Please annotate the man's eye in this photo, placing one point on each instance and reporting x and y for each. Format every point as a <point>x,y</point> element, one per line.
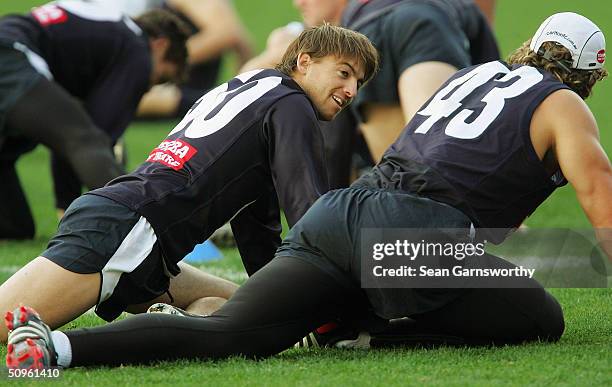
<point>344,74</point>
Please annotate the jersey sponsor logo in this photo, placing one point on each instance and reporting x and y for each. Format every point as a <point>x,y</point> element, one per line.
<point>601,56</point>
<point>49,14</point>
<point>172,153</point>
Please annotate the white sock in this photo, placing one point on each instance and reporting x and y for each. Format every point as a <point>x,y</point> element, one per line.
<point>63,349</point>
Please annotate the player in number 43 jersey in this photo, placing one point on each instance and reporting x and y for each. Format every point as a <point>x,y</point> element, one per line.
<point>245,150</point>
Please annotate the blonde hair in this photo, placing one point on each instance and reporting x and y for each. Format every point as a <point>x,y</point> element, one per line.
<point>581,81</point>
<point>324,40</point>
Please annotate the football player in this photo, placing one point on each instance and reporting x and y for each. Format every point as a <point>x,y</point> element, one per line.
<point>493,134</point>
<point>215,29</point>
<point>245,150</point>
<point>72,76</point>
<point>422,43</point>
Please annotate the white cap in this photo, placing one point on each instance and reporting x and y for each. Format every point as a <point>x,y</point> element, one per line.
<point>579,35</point>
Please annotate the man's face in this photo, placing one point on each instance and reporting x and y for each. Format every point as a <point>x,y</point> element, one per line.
<point>163,70</point>
<point>315,12</point>
<point>330,82</point>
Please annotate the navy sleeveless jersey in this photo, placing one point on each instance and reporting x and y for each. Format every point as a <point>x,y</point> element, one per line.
<point>469,146</point>
<point>244,148</point>
<point>96,53</point>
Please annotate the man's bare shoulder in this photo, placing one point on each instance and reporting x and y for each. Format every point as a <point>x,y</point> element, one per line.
<point>565,107</point>
<point>563,112</point>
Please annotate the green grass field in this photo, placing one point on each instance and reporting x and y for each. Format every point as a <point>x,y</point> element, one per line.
<point>582,357</point>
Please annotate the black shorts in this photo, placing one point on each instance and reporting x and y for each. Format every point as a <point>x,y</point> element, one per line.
<point>17,77</point>
<point>98,235</point>
<point>412,33</point>
<point>329,236</point>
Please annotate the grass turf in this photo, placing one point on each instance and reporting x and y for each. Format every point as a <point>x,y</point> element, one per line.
<point>582,357</point>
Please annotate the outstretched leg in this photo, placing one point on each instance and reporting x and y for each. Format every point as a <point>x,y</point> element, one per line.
<point>484,316</point>
<point>57,294</point>
<point>103,254</point>
<point>275,307</point>
<point>193,290</point>
<point>480,317</point>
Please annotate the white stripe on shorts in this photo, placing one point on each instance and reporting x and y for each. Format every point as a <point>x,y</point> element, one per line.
<point>136,246</point>
<point>37,61</point>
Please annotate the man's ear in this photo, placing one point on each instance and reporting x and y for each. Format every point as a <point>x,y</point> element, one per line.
<point>159,45</point>
<point>303,62</point>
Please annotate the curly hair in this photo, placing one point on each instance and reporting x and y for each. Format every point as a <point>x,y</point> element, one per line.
<point>581,81</point>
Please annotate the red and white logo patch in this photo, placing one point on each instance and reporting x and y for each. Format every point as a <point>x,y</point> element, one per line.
<point>601,56</point>
<point>49,14</point>
<point>172,153</point>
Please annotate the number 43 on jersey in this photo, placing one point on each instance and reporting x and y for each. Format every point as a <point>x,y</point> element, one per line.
<point>444,105</point>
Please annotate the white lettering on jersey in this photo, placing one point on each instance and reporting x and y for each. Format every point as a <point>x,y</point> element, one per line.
<point>196,124</point>
<point>444,104</point>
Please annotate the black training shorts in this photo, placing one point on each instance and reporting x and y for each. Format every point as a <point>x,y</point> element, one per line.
<point>99,235</point>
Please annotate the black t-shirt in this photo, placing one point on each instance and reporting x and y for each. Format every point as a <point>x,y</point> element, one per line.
<point>470,147</point>
<point>408,32</point>
<point>246,149</point>
<point>95,53</point>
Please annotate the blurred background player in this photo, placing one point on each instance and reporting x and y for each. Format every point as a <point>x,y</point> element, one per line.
<point>72,77</point>
<point>215,30</point>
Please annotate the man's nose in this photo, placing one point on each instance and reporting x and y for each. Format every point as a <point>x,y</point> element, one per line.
<point>350,90</point>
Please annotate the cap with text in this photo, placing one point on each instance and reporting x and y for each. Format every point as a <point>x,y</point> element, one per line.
<point>579,35</point>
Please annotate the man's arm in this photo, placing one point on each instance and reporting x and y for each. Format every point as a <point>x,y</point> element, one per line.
<point>419,54</point>
<point>582,160</point>
<point>276,45</point>
<point>257,231</point>
<point>295,152</point>
<point>219,27</point>
<point>419,82</point>
<point>296,155</point>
